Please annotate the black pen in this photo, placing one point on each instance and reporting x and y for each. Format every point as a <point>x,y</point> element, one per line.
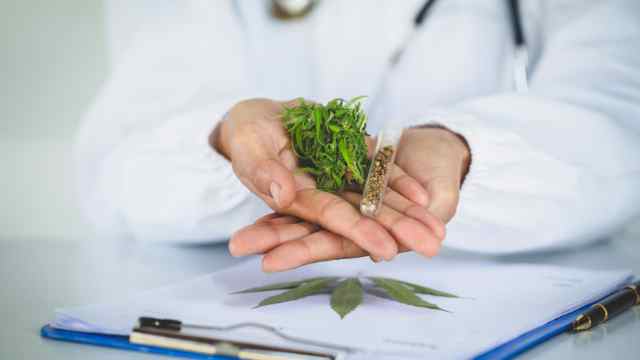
<point>609,307</point>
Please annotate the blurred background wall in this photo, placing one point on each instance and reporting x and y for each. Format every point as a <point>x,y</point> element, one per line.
<point>54,58</point>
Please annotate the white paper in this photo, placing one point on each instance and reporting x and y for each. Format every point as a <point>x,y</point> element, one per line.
<point>501,302</point>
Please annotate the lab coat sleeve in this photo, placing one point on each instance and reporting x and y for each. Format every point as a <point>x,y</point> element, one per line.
<point>145,167</point>
<point>167,184</point>
<point>560,164</point>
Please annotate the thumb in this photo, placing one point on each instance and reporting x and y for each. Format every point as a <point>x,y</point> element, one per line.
<point>273,179</point>
<point>444,194</point>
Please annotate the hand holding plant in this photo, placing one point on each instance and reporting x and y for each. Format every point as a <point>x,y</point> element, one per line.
<point>253,137</point>
<point>436,157</point>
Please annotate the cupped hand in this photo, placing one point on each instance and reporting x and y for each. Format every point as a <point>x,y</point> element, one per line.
<point>439,160</point>
<point>253,138</point>
<point>435,157</point>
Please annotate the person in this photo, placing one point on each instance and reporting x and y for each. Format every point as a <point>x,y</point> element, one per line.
<point>183,142</point>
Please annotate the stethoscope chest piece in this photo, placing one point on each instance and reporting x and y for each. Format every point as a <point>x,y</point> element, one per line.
<point>291,9</point>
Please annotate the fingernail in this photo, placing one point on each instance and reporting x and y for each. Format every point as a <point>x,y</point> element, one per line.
<point>275,192</point>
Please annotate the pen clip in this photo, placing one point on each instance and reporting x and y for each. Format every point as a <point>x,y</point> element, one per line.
<point>163,324</point>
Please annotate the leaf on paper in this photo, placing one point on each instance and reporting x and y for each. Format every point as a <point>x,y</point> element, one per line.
<point>281,286</point>
<point>419,289</point>
<point>306,289</point>
<point>401,293</point>
<point>347,296</point>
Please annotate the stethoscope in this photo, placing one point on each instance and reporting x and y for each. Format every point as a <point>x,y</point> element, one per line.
<point>300,8</point>
<point>292,9</point>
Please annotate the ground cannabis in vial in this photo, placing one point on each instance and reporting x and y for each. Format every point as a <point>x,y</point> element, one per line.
<point>376,185</point>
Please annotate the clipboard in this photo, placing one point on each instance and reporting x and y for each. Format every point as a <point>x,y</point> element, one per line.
<point>507,350</point>
<point>171,337</point>
<point>568,292</point>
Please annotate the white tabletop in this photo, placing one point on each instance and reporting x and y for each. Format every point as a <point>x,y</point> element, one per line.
<point>38,276</point>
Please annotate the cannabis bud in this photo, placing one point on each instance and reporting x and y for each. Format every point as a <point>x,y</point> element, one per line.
<point>329,141</point>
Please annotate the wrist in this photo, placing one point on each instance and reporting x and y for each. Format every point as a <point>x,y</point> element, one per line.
<point>465,152</point>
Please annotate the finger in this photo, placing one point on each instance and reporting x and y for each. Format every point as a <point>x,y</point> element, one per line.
<point>409,208</point>
<point>276,218</point>
<point>273,179</point>
<point>408,186</point>
<point>268,217</point>
<point>444,194</point>
<point>408,231</point>
<point>319,246</point>
<point>294,102</point>
<point>337,215</point>
<point>284,220</point>
<point>259,238</point>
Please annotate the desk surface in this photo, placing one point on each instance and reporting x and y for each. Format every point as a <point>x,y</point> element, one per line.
<point>38,276</point>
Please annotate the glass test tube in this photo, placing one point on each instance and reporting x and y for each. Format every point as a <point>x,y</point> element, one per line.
<point>379,171</point>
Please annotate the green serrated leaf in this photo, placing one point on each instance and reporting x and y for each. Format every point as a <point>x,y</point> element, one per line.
<point>281,286</point>
<point>401,293</point>
<point>315,131</point>
<point>307,170</point>
<point>356,99</point>
<point>334,128</point>
<point>419,289</point>
<point>317,117</point>
<point>346,296</point>
<point>306,289</point>
<point>333,103</point>
<point>344,150</point>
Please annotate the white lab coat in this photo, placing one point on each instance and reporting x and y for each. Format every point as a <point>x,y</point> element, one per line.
<point>552,167</point>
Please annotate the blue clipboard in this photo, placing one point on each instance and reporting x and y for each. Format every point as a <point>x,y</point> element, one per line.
<point>531,339</point>
<point>508,350</point>
<point>119,342</point>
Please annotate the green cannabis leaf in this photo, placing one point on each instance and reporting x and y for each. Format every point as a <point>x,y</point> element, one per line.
<point>329,141</point>
<point>348,293</point>
<point>401,293</point>
<point>282,286</point>
<point>307,288</point>
<point>347,296</point>
<point>419,289</point>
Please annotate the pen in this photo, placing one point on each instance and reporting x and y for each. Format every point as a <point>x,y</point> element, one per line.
<point>609,307</point>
